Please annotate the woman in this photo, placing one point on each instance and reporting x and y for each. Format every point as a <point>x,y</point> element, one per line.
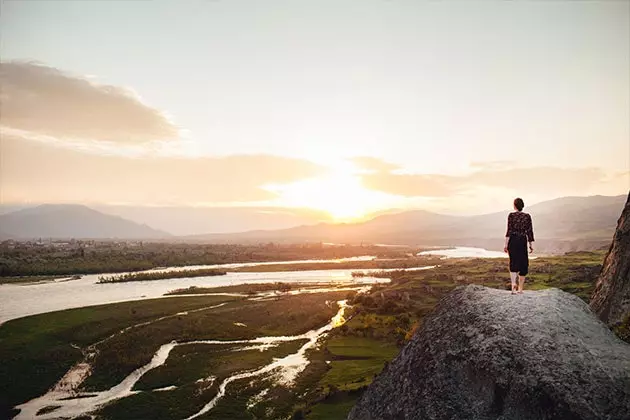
<point>519,233</point>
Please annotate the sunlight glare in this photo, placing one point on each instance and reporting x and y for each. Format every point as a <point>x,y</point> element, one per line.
<point>341,195</point>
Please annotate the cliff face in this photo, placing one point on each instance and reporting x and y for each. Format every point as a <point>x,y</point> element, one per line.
<point>486,354</point>
<point>611,299</point>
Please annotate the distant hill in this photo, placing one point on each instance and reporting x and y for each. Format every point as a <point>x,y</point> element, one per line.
<point>71,221</point>
<point>187,220</point>
<point>563,224</point>
<point>561,218</point>
<point>374,230</point>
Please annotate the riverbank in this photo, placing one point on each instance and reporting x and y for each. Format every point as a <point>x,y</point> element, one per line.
<point>23,300</point>
<point>373,264</point>
<point>26,280</point>
<point>363,262</point>
<point>252,289</point>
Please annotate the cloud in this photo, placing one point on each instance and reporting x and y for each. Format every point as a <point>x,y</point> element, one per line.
<point>533,180</point>
<point>44,100</point>
<point>38,172</point>
<point>412,185</point>
<point>374,164</point>
<point>551,180</point>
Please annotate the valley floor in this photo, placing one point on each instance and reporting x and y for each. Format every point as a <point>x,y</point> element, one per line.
<point>215,336</point>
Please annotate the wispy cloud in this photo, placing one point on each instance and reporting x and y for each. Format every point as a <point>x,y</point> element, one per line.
<point>44,100</point>
<point>552,181</point>
<point>35,171</point>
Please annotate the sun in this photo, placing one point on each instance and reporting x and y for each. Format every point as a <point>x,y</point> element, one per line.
<point>340,195</point>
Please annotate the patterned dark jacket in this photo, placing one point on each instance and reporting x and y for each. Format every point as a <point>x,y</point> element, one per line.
<point>520,223</point>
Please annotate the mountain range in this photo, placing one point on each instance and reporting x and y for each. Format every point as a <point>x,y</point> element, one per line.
<point>562,224</point>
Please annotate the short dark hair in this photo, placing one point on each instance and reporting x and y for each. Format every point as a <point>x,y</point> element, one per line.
<point>519,204</point>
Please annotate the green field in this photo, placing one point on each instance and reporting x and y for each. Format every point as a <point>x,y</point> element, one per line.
<point>37,350</point>
<point>355,361</point>
<point>187,365</point>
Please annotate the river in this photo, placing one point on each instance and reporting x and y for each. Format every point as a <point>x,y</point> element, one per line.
<point>464,252</point>
<point>19,300</point>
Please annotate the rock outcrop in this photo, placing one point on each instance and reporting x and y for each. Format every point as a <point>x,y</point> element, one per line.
<point>486,354</point>
<point>611,299</point>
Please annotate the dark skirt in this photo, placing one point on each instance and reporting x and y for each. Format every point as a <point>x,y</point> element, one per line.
<point>517,250</point>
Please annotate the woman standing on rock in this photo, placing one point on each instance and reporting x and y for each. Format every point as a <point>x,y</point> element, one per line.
<point>519,233</point>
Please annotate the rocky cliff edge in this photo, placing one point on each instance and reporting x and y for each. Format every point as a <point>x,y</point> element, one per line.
<point>486,354</point>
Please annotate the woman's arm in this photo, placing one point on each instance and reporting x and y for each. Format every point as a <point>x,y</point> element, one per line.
<point>507,233</point>
<point>530,234</point>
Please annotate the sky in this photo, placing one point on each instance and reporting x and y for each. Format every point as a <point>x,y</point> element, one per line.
<point>344,107</point>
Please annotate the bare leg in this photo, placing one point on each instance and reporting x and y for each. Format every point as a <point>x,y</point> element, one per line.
<point>513,277</point>
<point>521,282</point>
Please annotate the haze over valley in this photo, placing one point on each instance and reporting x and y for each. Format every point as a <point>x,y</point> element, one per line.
<point>563,224</point>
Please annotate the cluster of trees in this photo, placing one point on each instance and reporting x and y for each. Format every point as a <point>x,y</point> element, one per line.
<point>383,316</point>
<point>384,274</point>
<point>160,275</point>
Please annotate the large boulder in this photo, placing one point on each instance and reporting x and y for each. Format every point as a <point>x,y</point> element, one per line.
<point>611,299</point>
<point>486,354</point>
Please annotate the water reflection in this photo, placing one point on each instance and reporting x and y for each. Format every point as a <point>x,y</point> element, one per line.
<point>464,252</point>
<point>17,300</point>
